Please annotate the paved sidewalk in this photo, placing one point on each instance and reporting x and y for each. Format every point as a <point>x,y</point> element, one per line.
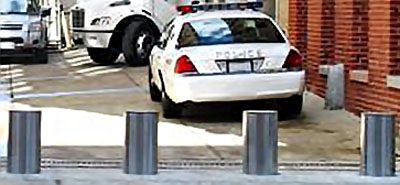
<point>116,177</point>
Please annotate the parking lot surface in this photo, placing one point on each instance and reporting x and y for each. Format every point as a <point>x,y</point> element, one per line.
<point>84,103</point>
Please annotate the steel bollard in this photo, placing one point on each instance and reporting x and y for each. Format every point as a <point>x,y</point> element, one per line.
<point>260,129</point>
<point>24,142</point>
<point>141,143</point>
<point>378,144</point>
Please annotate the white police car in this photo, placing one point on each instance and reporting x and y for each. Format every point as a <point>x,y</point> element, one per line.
<point>234,53</point>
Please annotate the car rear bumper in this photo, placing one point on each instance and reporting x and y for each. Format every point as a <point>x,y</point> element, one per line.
<point>239,87</point>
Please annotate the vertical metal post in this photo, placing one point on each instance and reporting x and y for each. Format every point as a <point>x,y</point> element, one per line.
<point>260,129</point>
<point>378,144</point>
<point>335,88</point>
<point>141,143</point>
<point>24,142</point>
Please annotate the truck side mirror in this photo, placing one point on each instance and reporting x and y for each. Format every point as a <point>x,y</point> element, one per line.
<point>45,12</point>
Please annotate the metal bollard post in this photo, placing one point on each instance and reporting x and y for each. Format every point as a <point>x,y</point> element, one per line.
<point>378,144</point>
<point>260,129</point>
<point>141,143</point>
<point>24,142</point>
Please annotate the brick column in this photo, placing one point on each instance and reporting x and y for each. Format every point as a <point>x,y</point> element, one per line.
<point>320,46</point>
<point>384,54</point>
<point>351,47</point>
<point>298,24</point>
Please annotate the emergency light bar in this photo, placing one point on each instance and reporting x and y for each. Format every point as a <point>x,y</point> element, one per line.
<point>209,7</point>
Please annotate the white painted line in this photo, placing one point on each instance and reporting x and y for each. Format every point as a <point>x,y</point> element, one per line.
<point>40,78</point>
<point>77,93</point>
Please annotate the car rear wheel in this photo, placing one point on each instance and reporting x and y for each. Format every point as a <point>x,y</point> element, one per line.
<point>171,109</point>
<point>137,43</point>
<point>292,105</point>
<point>102,56</point>
<point>155,92</point>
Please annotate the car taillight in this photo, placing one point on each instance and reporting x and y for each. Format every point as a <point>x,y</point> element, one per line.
<point>293,60</point>
<point>184,65</point>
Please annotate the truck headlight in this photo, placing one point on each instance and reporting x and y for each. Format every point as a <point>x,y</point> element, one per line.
<point>35,27</point>
<point>101,21</point>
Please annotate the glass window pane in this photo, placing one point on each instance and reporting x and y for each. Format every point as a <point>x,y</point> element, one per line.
<point>229,31</point>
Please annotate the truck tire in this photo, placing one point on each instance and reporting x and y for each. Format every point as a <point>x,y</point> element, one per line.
<point>155,93</point>
<point>292,105</point>
<point>102,56</point>
<point>137,43</point>
<point>171,110</point>
<point>41,56</point>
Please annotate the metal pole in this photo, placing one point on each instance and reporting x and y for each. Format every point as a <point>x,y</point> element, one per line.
<point>24,142</point>
<point>260,129</point>
<point>378,144</point>
<point>141,143</point>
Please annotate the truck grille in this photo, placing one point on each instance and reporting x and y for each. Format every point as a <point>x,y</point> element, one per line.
<point>11,26</point>
<point>78,18</point>
<point>16,40</point>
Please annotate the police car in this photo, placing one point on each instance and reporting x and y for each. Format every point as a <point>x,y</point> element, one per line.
<point>223,53</point>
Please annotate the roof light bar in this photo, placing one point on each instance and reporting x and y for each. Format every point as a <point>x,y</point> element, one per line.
<point>210,7</point>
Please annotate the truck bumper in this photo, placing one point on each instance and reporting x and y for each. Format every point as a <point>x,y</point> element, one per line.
<point>94,39</point>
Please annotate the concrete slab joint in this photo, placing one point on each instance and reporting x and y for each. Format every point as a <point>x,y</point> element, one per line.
<point>393,81</point>
<point>359,76</point>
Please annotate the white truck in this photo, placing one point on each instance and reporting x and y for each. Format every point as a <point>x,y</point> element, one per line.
<point>111,27</point>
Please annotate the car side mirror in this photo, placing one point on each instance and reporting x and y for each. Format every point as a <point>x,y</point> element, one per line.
<point>45,12</point>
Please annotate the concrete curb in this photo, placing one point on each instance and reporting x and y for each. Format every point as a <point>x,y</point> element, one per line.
<point>116,177</point>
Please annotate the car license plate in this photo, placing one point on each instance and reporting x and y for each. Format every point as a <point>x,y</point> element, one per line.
<point>239,67</point>
<point>7,45</point>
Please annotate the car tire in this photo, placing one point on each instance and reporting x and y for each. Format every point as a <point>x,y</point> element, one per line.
<point>292,105</point>
<point>137,43</point>
<point>155,92</point>
<point>171,110</point>
<point>41,56</point>
<point>102,56</point>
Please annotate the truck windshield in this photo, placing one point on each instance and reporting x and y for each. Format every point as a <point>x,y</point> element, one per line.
<point>229,31</point>
<point>19,6</point>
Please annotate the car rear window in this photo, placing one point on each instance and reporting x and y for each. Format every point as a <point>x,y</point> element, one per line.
<point>229,31</point>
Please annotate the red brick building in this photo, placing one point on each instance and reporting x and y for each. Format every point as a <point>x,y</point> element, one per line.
<point>364,35</point>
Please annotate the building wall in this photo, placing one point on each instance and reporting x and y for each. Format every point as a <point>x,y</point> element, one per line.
<point>364,35</point>
<point>282,14</point>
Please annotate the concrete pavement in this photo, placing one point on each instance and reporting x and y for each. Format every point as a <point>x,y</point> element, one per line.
<point>199,177</point>
<point>83,106</point>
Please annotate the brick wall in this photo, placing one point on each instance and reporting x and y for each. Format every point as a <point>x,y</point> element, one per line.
<point>383,54</point>
<point>320,42</point>
<point>298,24</point>
<point>361,34</point>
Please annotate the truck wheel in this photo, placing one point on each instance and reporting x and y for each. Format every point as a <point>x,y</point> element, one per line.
<point>155,92</point>
<point>102,56</point>
<point>41,56</point>
<point>171,110</point>
<point>137,43</point>
<point>292,105</point>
